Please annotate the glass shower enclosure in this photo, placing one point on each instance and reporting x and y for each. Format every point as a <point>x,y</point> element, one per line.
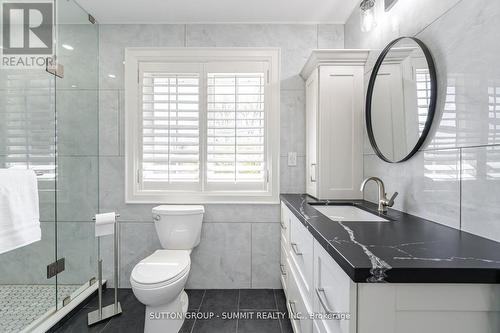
<point>50,124</point>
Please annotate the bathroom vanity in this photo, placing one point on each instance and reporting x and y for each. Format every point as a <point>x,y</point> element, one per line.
<point>352,266</point>
<point>384,273</point>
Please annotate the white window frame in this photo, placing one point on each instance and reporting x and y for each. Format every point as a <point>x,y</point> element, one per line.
<point>135,56</point>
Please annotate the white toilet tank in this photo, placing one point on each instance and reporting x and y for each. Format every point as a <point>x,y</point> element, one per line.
<point>178,226</point>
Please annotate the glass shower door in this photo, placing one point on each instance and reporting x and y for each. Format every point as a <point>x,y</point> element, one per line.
<point>78,151</point>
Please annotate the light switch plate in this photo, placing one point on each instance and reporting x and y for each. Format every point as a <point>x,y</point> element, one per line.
<point>292,158</point>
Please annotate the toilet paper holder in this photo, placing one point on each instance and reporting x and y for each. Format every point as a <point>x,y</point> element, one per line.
<point>104,313</point>
<point>116,215</point>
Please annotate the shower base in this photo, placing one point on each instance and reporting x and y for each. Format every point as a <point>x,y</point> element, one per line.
<point>21,305</point>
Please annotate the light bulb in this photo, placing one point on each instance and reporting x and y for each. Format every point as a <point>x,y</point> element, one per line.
<point>367,12</point>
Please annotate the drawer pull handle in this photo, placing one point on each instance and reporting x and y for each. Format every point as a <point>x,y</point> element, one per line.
<point>283,226</point>
<point>283,270</point>
<point>312,171</point>
<point>292,310</point>
<point>322,299</point>
<point>296,249</point>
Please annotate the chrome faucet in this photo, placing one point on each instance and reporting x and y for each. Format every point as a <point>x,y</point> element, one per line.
<point>383,202</point>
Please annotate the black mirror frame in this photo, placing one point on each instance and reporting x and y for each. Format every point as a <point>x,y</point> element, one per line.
<point>432,104</point>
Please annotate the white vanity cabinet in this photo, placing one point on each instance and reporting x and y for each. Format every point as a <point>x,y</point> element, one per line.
<point>334,123</point>
<point>297,269</point>
<point>316,285</point>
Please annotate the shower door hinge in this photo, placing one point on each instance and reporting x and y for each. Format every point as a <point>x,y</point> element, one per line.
<point>55,268</point>
<point>66,300</point>
<point>55,68</point>
<point>91,19</point>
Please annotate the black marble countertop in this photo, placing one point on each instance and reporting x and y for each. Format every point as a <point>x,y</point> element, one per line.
<point>407,249</point>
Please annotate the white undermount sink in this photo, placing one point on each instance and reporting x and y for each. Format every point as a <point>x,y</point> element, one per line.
<point>348,214</point>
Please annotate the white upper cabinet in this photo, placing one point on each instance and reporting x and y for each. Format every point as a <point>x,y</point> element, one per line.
<point>334,123</point>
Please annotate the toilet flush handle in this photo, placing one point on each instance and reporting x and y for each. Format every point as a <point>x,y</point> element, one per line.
<point>157,218</point>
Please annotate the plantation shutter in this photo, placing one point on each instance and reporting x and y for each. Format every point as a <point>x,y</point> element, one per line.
<point>28,127</point>
<point>203,126</point>
<point>423,81</point>
<point>236,123</point>
<point>170,98</point>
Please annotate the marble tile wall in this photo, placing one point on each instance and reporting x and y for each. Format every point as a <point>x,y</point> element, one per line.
<point>239,242</point>
<point>454,179</point>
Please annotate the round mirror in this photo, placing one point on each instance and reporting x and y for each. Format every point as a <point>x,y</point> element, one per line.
<point>401,99</point>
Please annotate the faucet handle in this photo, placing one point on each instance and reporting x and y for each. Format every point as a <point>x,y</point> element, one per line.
<point>390,203</point>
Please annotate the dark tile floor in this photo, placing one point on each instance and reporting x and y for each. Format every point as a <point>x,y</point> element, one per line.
<point>264,309</point>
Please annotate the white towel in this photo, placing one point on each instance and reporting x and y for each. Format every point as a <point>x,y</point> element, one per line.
<point>19,211</point>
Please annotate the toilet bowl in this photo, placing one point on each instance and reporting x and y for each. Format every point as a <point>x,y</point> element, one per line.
<point>158,280</point>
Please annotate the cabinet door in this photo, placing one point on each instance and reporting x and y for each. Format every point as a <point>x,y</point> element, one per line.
<point>297,307</point>
<point>285,245</point>
<point>390,98</point>
<point>340,134</point>
<point>301,257</point>
<point>334,295</point>
<point>284,270</point>
<point>312,134</point>
<point>285,223</point>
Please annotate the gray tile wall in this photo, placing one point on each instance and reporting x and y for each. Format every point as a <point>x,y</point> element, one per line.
<point>455,178</point>
<point>240,243</point>
<point>78,151</point>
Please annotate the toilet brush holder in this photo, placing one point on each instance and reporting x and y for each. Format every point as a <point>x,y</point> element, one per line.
<point>104,313</point>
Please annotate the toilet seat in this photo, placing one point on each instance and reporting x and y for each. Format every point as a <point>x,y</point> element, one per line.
<point>162,268</point>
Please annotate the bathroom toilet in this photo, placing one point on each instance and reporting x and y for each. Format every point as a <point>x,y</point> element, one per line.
<point>158,280</point>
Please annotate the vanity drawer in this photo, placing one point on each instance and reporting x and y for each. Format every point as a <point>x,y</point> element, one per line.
<point>301,255</point>
<point>334,292</point>
<point>297,307</point>
<point>284,268</point>
<point>285,222</point>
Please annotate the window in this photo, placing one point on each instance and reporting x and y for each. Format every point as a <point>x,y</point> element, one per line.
<point>202,125</point>
<point>423,82</point>
<point>27,126</point>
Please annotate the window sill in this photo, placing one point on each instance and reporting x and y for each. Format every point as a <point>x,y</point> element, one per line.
<point>197,198</point>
